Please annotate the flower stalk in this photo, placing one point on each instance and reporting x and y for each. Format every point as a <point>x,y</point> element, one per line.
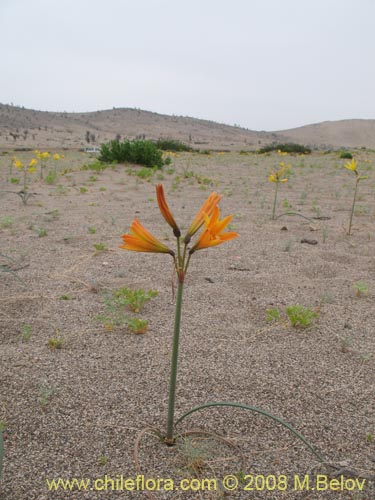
<point>352,166</point>
<point>277,176</point>
<point>173,376</point>
<point>141,240</point>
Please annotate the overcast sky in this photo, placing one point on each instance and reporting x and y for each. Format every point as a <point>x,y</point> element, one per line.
<point>261,64</point>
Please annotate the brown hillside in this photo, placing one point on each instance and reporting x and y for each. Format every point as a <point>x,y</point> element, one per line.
<point>24,127</point>
<point>334,134</point>
<point>20,127</point>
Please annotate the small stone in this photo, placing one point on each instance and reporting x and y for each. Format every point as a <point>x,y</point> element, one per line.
<point>284,228</point>
<point>309,242</point>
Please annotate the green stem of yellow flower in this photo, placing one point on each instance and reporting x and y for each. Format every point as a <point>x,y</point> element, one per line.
<point>173,377</point>
<point>24,178</point>
<point>353,205</point>
<point>274,201</point>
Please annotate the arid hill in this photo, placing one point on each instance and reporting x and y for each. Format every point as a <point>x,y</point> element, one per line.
<point>336,134</point>
<point>20,127</point>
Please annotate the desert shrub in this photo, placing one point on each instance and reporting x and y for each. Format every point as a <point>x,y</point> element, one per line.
<point>172,145</point>
<point>288,147</point>
<point>140,152</point>
<point>347,155</point>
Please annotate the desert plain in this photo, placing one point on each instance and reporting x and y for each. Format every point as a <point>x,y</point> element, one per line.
<point>76,391</point>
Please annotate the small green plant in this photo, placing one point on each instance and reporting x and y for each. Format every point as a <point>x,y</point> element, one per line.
<point>300,316</point>
<point>118,302</point>
<point>346,343</point>
<point>14,180</point>
<point>83,190</point>
<point>45,395</point>
<point>361,288</point>
<point>133,299</point>
<point>92,230</point>
<point>100,247</point>
<point>286,204</point>
<point>145,173</point>
<point>370,437</point>
<point>102,460</point>
<point>272,314</point>
<point>51,177</point>
<point>137,325</point>
<point>55,343</point>
<point>325,233</point>
<point>42,232</point>
<point>6,222</point>
<point>53,214</point>
<point>65,297</point>
<point>26,332</point>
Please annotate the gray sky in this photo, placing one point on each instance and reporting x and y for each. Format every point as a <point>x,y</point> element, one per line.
<point>262,64</point>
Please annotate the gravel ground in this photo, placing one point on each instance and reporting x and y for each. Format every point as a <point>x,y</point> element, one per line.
<point>75,412</point>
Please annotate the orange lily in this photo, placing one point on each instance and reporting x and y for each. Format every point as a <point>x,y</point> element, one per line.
<point>141,240</point>
<point>213,233</point>
<point>205,211</point>
<point>164,209</point>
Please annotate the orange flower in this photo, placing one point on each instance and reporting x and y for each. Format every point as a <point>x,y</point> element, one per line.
<point>164,209</point>
<point>213,233</point>
<point>205,211</point>
<point>140,240</point>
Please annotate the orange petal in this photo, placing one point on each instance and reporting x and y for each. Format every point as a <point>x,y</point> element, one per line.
<point>141,240</point>
<point>206,210</point>
<point>164,209</point>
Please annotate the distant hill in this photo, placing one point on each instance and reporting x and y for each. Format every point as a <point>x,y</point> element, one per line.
<point>333,134</point>
<point>20,127</point>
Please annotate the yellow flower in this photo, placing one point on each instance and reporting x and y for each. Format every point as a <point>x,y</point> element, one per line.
<point>33,163</point>
<point>278,175</point>
<point>212,234</point>
<point>140,240</point>
<point>17,163</point>
<point>45,155</point>
<point>32,170</point>
<point>56,156</point>
<point>351,165</point>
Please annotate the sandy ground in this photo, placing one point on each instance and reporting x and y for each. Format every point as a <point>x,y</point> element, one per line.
<point>76,411</point>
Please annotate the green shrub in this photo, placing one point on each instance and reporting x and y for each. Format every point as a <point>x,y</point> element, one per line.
<point>172,145</point>
<point>347,155</point>
<point>140,152</point>
<point>300,316</point>
<point>288,147</point>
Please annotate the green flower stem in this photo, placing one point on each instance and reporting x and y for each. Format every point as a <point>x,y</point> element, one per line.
<point>353,205</point>
<point>24,178</point>
<point>1,452</point>
<point>274,201</point>
<point>178,253</point>
<point>173,376</point>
